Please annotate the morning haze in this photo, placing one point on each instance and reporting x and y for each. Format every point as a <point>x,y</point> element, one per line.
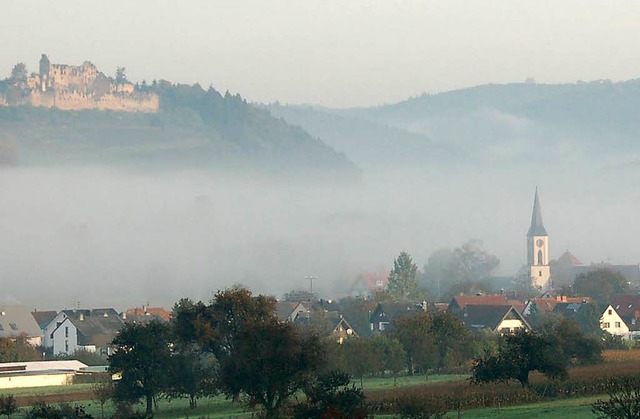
<point>208,188</point>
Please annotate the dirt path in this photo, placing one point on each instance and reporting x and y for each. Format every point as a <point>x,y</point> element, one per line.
<point>55,398</point>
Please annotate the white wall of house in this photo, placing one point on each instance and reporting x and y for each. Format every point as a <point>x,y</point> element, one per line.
<point>611,322</point>
<point>53,324</point>
<point>509,326</point>
<point>65,338</point>
<point>36,380</point>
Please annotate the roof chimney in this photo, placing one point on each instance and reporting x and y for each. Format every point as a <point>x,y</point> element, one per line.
<point>81,317</point>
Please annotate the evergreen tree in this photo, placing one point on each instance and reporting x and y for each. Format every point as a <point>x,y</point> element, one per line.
<point>403,283</point>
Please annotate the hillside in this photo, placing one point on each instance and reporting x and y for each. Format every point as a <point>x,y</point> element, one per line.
<point>194,128</point>
<point>592,124</point>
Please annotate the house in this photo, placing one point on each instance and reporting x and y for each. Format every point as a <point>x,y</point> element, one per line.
<point>368,283</point>
<point>459,302</point>
<point>627,307</point>
<point>83,329</point>
<point>341,329</point>
<point>43,318</point>
<point>495,318</point>
<point>145,314</point>
<point>287,311</point>
<point>385,313</point>
<point>569,309</point>
<point>548,303</point>
<point>16,320</point>
<point>611,322</point>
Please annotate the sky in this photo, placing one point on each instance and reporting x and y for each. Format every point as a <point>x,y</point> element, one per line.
<point>329,52</point>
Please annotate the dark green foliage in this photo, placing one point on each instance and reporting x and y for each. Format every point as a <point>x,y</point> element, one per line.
<point>86,357</point>
<point>520,354</point>
<point>256,355</point>
<point>193,374</point>
<point>17,350</point>
<point>452,339</point>
<point>143,358</point>
<point>8,405</point>
<point>330,395</point>
<point>41,410</point>
<point>624,400</point>
<point>601,285</point>
<point>413,332</point>
<point>269,363</point>
<point>403,283</point>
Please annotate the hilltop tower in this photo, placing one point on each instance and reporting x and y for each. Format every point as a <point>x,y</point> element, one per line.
<point>538,249</point>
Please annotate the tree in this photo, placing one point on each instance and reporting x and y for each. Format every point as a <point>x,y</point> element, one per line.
<point>331,396</point>
<point>601,285</point>
<point>413,332</point>
<point>359,357</point>
<point>465,269</point>
<point>143,358</point>
<point>103,392</point>
<point>624,400</point>
<point>8,405</point>
<point>576,348</point>
<point>402,279</point>
<point>451,337</point>
<point>121,76</point>
<point>19,73</point>
<point>271,361</point>
<point>193,374</point>
<point>392,353</point>
<point>520,354</point>
<point>17,349</point>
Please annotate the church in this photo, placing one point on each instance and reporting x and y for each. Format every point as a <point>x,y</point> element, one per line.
<point>538,249</point>
<point>546,275</point>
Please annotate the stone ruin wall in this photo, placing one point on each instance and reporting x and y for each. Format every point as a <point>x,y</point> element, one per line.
<point>77,101</point>
<point>74,88</point>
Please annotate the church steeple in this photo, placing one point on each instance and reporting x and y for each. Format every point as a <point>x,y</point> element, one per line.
<point>538,249</point>
<point>537,227</point>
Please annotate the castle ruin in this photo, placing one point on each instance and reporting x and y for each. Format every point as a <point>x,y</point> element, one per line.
<point>74,88</point>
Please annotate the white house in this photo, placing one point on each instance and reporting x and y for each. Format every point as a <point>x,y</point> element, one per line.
<point>16,320</point>
<point>89,330</point>
<point>612,322</point>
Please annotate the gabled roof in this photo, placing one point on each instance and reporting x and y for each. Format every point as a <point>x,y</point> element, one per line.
<point>139,313</point>
<point>340,326</point>
<point>325,305</point>
<point>627,305</point>
<point>96,330</point>
<point>568,259</point>
<point>387,312</point>
<point>43,318</point>
<point>537,226</point>
<point>478,317</point>
<point>284,309</point>
<point>16,320</point>
<point>461,301</point>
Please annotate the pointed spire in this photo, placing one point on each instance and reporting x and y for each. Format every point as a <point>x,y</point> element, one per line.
<point>537,227</point>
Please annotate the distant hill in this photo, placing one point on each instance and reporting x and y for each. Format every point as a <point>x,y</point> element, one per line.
<point>194,128</point>
<point>595,124</point>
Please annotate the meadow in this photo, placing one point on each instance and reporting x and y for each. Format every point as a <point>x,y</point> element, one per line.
<point>544,399</point>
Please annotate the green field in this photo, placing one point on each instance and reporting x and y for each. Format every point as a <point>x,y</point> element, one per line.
<point>219,407</point>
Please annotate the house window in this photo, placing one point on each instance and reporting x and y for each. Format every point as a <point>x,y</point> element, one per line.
<point>539,273</point>
<point>1,327</point>
<point>606,325</point>
<point>379,283</point>
<point>617,324</point>
<point>66,346</point>
<point>610,312</point>
<point>66,332</point>
<point>633,321</point>
<point>13,326</point>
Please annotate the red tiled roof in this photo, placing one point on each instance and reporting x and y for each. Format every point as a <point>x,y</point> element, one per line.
<point>151,311</point>
<point>495,300</point>
<point>627,305</point>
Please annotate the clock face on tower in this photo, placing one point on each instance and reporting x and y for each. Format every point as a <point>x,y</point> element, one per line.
<point>540,242</point>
